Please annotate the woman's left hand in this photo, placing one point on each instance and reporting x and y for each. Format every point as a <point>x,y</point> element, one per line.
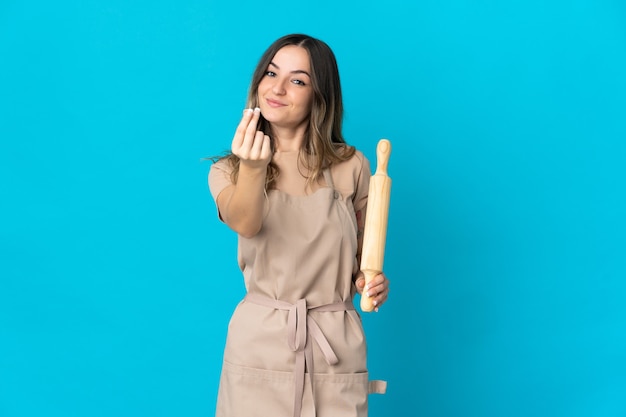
<point>378,288</point>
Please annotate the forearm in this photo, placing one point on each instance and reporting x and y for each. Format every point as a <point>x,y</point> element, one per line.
<point>243,207</point>
<point>360,222</point>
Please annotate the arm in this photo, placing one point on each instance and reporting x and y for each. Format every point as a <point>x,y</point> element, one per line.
<point>241,204</point>
<point>360,226</point>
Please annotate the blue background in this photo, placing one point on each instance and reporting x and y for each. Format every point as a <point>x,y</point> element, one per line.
<point>507,231</point>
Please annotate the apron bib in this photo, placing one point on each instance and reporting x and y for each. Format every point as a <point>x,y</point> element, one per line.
<point>295,345</point>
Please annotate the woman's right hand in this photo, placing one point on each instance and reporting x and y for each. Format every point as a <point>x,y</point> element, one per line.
<point>250,145</point>
<point>241,204</point>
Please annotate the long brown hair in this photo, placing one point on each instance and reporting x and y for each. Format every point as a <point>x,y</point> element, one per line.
<point>323,144</point>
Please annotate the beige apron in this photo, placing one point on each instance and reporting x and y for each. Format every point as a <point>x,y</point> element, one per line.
<point>295,344</point>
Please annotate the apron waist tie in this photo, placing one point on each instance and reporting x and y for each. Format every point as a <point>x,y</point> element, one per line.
<point>299,326</point>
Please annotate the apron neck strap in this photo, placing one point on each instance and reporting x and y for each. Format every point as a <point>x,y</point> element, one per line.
<point>328,178</point>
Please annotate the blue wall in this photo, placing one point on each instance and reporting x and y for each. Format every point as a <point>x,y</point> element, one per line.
<point>507,233</point>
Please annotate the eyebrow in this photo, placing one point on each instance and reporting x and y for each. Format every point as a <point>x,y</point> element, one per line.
<point>294,71</point>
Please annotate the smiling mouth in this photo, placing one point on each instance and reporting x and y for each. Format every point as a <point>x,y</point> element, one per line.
<point>274,103</point>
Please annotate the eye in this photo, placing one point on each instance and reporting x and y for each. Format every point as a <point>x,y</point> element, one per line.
<point>270,73</point>
<point>298,82</point>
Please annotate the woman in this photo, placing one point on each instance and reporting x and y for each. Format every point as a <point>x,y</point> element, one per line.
<point>296,195</point>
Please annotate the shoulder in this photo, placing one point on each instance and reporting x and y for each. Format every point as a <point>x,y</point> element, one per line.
<point>354,166</point>
<point>220,176</point>
<point>351,177</point>
<point>221,165</point>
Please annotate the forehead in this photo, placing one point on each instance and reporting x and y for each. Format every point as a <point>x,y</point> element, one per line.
<point>292,58</point>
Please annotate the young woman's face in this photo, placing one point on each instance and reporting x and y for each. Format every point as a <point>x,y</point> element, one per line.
<point>285,93</point>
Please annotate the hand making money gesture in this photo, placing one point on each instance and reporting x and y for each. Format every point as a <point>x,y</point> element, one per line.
<point>250,145</point>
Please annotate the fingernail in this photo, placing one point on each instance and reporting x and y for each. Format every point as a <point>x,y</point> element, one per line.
<point>257,110</point>
<point>375,302</point>
<point>366,287</point>
<point>367,293</point>
<point>247,111</point>
<point>376,310</point>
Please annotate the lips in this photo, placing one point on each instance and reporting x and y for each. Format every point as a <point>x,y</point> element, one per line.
<point>274,103</point>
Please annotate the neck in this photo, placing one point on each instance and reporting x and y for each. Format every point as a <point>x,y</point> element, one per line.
<point>288,139</point>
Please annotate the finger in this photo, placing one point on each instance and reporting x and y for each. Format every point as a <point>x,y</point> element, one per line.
<point>240,132</point>
<point>381,297</point>
<point>251,131</point>
<point>266,149</point>
<point>378,279</point>
<point>379,300</point>
<point>373,292</point>
<point>257,145</point>
<point>376,286</point>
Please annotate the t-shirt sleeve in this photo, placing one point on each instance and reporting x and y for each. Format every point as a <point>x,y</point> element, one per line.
<point>219,177</point>
<point>363,175</point>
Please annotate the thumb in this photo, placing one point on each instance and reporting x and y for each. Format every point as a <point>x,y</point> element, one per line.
<point>360,283</point>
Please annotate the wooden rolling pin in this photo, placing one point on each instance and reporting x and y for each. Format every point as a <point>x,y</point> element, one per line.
<point>375,232</point>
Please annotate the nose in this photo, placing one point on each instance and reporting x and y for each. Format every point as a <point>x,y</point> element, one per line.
<point>278,87</point>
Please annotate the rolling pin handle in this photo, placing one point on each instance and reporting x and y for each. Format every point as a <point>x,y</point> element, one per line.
<point>383,150</point>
